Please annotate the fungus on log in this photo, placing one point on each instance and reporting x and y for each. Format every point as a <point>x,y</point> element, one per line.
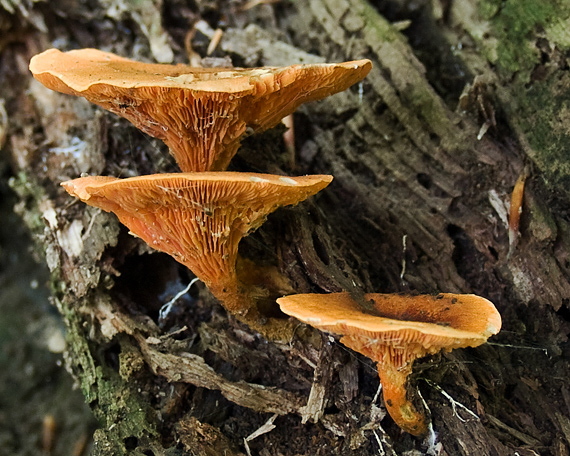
<point>394,330</point>
<point>200,113</point>
<point>199,219</point>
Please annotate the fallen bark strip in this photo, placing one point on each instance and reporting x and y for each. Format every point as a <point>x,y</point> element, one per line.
<point>191,368</point>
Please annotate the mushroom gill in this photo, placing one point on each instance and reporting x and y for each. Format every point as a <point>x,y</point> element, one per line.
<point>200,113</point>
<point>199,218</point>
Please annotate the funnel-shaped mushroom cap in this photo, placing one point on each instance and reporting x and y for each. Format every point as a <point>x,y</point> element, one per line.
<point>198,218</point>
<point>200,113</point>
<point>394,330</point>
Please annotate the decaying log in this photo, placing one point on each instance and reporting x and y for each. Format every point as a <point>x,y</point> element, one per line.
<point>425,153</point>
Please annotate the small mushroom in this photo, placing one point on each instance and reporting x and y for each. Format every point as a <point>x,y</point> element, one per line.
<point>200,113</point>
<point>394,330</point>
<point>199,218</point>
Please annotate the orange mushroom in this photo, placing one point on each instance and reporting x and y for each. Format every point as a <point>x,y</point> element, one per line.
<point>198,218</point>
<point>200,113</point>
<point>394,330</point>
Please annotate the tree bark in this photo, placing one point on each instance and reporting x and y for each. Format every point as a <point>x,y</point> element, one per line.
<point>425,155</point>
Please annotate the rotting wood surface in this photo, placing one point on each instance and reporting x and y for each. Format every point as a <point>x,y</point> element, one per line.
<point>418,205</point>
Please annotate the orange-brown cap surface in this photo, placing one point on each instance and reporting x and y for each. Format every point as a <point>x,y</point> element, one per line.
<point>394,330</point>
<point>200,113</point>
<point>198,218</point>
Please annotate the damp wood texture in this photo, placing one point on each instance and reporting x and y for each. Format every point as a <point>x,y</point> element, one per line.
<point>462,99</point>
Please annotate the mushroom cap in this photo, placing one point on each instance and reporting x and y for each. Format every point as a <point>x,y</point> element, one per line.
<point>423,323</point>
<point>200,113</point>
<point>198,218</point>
<point>394,330</point>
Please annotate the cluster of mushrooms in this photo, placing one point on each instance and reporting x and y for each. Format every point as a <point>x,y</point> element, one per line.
<point>200,215</point>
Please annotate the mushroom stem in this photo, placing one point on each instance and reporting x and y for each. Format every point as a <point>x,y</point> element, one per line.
<point>243,301</point>
<point>234,297</point>
<point>394,390</point>
<point>394,365</point>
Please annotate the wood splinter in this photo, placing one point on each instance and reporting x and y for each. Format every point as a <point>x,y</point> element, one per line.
<point>515,211</point>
